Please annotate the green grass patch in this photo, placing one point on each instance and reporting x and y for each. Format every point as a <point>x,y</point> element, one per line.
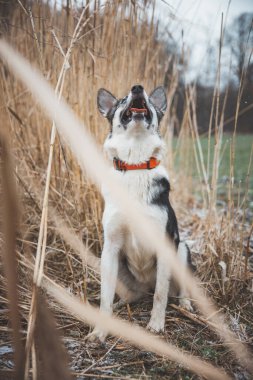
<point>243,145</point>
<point>184,158</point>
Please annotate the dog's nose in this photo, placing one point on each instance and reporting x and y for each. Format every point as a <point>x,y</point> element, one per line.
<point>137,89</point>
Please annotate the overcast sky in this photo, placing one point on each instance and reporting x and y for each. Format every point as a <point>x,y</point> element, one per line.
<point>200,21</point>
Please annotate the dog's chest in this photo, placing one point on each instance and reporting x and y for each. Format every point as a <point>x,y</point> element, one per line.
<point>140,185</point>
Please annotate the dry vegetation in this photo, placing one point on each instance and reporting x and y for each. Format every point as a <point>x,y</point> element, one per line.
<point>114,46</point>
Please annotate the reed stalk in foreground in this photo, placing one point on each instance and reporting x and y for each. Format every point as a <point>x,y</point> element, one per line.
<point>9,223</point>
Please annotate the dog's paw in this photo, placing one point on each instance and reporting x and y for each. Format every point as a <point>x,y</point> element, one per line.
<point>156,325</point>
<point>186,304</point>
<point>97,335</point>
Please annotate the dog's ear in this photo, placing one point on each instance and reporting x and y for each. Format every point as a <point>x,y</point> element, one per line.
<point>105,101</point>
<point>159,99</point>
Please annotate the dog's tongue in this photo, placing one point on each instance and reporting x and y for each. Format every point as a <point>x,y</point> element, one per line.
<point>138,110</point>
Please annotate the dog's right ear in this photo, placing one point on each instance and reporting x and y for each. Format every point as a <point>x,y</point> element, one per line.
<point>105,101</point>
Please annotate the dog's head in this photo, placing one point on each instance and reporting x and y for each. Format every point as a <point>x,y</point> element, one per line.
<point>136,111</point>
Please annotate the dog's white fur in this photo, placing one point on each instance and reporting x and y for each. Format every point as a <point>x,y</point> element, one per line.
<point>135,144</point>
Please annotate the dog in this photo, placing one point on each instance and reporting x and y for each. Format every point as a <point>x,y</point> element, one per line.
<point>135,148</point>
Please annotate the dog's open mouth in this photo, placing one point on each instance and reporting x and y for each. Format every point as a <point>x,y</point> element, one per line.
<point>137,109</point>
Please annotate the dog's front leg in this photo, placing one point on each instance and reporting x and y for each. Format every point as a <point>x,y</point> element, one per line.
<point>157,320</point>
<point>109,273</point>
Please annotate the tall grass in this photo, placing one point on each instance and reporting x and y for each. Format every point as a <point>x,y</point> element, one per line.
<point>116,46</point>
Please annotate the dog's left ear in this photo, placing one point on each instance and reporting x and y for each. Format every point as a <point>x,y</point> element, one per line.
<point>105,101</point>
<point>159,99</point>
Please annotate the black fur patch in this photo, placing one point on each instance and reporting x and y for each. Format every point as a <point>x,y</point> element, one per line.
<point>112,111</point>
<point>161,188</point>
<point>189,259</point>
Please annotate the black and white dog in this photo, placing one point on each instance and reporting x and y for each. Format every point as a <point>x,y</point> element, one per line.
<point>135,148</point>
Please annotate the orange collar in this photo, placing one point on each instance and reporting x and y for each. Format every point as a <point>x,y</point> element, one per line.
<point>123,166</point>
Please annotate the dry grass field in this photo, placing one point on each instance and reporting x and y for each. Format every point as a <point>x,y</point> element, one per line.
<point>78,51</point>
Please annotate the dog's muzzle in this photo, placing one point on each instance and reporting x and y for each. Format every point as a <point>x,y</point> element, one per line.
<point>137,108</point>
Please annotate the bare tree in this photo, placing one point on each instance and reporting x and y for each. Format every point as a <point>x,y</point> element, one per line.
<point>239,37</point>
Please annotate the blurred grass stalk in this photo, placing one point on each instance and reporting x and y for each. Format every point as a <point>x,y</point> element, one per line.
<point>10,226</point>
